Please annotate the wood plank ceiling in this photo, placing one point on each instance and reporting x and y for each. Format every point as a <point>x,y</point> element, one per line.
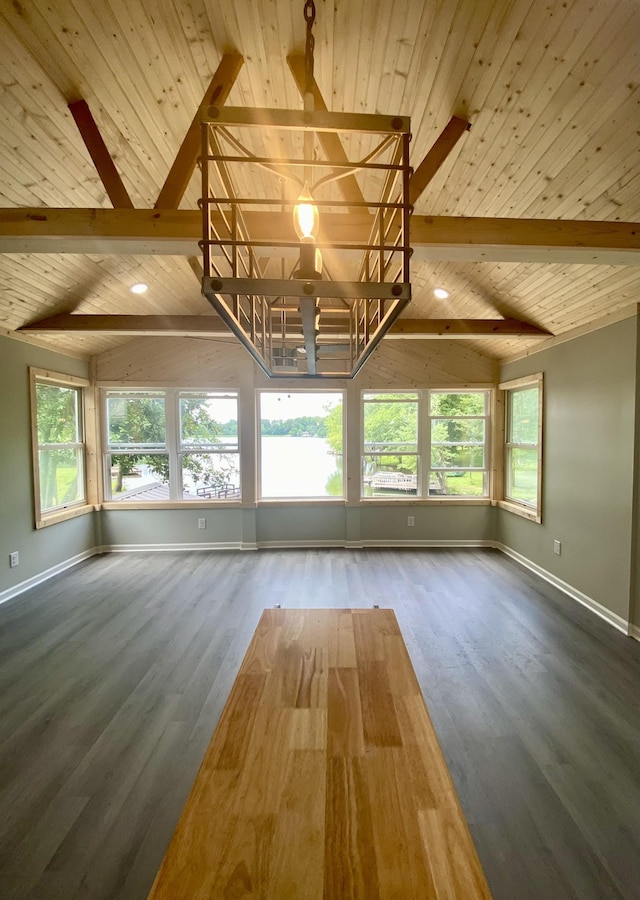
<point>551,92</point>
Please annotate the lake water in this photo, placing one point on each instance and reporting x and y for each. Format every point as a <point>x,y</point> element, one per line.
<point>298,467</point>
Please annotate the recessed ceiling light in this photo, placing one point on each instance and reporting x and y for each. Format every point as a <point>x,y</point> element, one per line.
<point>441,294</point>
<point>139,288</point>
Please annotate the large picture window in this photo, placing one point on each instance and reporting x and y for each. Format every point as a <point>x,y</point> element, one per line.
<point>453,426</point>
<point>301,444</point>
<point>171,445</point>
<point>59,452</point>
<point>523,442</point>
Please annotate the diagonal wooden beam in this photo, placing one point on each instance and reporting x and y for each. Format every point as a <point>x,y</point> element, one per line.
<point>101,157</point>
<point>187,325</point>
<point>330,142</point>
<point>177,232</point>
<point>181,171</point>
<point>436,156</point>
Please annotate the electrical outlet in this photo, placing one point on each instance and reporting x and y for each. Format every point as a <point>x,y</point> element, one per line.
<point>14,559</point>
<point>202,523</point>
<point>411,521</point>
<point>557,548</point>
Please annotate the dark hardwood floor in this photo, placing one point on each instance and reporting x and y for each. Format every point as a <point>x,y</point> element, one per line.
<point>113,676</point>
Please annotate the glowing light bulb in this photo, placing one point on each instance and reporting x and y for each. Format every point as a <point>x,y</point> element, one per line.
<point>441,294</point>
<point>305,216</point>
<point>138,288</point>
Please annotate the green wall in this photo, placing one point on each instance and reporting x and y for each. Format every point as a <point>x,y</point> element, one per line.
<point>588,465</point>
<point>49,547</point>
<point>328,524</point>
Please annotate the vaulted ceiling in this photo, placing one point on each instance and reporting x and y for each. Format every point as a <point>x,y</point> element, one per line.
<point>551,92</point>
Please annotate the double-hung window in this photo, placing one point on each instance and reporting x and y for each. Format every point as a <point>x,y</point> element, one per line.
<point>171,445</point>
<point>137,458</point>
<point>391,457</point>
<point>431,443</point>
<point>458,438</point>
<point>59,451</point>
<point>208,451</point>
<point>523,444</point>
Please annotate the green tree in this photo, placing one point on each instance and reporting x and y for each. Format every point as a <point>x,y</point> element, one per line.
<point>455,433</point>
<point>308,426</point>
<point>333,428</point>
<point>140,421</point>
<point>137,421</point>
<point>391,432</point>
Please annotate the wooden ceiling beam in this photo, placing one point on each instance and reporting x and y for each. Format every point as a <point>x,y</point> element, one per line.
<point>330,142</point>
<point>526,240</point>
<point>464,328</point>
<point>177,232</point>
<point>179,176</point>
<point>179,326</point>
<point>109,175</point>
<point>128,325</point>
<point>436,157</point>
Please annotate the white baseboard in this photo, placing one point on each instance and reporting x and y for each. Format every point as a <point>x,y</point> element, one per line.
<point>176,548</point>
<point>364,543</point>
<point>291,545</point>
<point>452,545</point>
<point>47,574</point>
<point>299,545</point>
<point>591,604</point>
<point>634,632</point>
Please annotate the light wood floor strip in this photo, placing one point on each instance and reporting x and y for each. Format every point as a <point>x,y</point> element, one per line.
<point>321,780</point>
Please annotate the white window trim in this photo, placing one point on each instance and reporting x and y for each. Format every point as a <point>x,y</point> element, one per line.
<point>89,504</point>
<point>526,510</point>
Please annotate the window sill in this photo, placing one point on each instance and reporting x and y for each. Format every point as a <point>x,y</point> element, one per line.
<point>63,514</point>
<point>532,515</point>
<point>303,501</point>
<point>425,501</point>
<point>176,504</point>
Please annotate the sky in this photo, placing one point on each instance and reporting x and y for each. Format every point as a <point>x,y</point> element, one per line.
<point>293,404</point>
